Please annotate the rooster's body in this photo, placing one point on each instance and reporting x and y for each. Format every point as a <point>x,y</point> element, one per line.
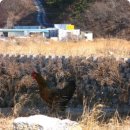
<point>54,97</point>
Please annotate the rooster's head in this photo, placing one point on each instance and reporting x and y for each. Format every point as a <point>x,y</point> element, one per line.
<point>34,74</point>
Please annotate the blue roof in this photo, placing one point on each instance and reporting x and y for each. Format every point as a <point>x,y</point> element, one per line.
<point>24,30</point>
<point>27,27</point>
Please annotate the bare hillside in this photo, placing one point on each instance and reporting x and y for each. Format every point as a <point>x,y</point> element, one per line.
<point>108,18</point>
<point>12,11</point>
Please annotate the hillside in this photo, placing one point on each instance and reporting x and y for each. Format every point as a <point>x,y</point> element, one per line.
<point>104,18</point>
<point>13,11</point>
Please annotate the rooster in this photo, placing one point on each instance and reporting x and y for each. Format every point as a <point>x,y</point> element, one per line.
<point>57,99</point>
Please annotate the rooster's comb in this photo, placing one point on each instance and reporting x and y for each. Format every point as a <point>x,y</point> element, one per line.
<point>33,74</point>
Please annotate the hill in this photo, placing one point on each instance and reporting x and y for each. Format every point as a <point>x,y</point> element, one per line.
<point>104,18</point>
<point>13,11</point>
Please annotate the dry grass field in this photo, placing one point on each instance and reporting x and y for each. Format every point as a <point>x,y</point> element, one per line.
<point>37,45</point>
<point>99,47</point>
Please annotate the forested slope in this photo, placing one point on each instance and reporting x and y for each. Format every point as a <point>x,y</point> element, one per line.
<point>105,18</point>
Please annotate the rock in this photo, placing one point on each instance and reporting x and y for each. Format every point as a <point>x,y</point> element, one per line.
<point>42,122</point>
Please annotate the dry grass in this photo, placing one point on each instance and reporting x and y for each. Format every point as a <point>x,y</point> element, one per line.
<point>90,121</point>
<point>37,45</point>
<point>99,47</point>
<point>6,123</point>
<point>113,125</point>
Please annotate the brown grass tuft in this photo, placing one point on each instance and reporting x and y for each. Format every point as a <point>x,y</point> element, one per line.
<point>90,121</point>
<point>6,123</point>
